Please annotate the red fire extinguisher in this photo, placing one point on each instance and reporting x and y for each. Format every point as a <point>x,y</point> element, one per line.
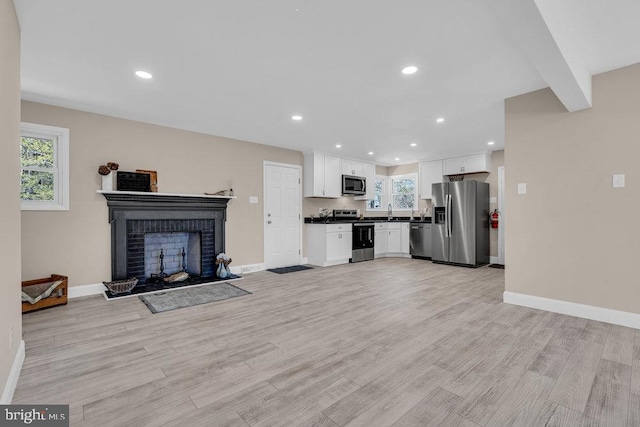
<point>494,218</point>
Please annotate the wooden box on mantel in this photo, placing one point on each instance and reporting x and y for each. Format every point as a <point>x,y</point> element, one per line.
<point>57,297</point>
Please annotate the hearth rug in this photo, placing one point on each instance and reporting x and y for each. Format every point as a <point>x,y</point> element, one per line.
<point>283,270</point>
<point>187,297</point>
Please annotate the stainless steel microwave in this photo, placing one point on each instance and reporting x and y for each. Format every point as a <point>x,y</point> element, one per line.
<point>354,185</point>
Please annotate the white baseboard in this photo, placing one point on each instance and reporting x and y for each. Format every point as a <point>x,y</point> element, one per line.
<point>607,315</point>
<point>248,268</point>
<point>86,290</point>
<point>14,374</point>
<point>494,260</point>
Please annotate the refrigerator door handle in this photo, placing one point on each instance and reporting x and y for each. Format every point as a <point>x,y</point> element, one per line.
<point>449,216</point>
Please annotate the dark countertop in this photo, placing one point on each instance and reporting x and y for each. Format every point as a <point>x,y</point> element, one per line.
<point>331,220</point>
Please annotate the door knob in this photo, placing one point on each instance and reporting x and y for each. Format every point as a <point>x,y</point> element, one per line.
<point>269,222</point>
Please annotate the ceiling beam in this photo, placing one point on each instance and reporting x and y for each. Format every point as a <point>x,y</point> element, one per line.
<point>545,43</point>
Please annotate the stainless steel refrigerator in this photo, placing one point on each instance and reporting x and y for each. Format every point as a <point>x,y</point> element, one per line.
<point>460,226</point>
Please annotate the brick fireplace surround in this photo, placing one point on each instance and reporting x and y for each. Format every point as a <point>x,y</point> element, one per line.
<point>133,214</point>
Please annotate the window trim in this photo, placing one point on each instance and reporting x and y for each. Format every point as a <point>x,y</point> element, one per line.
<point>387,195</point>
<point>383,200</point>
<point>411,175</point>
<point>61,175</point>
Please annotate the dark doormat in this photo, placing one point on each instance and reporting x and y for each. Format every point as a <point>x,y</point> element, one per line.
<point>501,266</point>
<point>291,269</point>
<point>187,297</point>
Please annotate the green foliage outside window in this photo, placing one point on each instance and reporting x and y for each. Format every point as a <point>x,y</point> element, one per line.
<point>376,203</point>
<point>404,193</point>
<point>37,161</point>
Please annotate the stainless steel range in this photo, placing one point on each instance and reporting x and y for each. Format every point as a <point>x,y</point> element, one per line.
<point>363,232</point>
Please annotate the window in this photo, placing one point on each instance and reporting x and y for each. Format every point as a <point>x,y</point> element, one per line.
<point>44,161</point>
<point>399,190</point>
<point>403,192</point>
<point>379,201</point>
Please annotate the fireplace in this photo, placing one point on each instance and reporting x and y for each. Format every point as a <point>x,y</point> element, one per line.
<point>144,225</point>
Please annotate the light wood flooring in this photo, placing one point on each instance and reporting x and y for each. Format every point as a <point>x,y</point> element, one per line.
<point>388,342</point>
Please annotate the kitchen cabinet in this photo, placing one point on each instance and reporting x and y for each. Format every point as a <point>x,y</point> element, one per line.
<point>322,177</point>
<point>391,239</point>
<point>381,239</point>
<point>404,247</point>
<point>352,167</point>
<point>395,238</point>
<point>467,164</point>
<point>328,244</point>
<point>430,173</point>
<point>369,172</point>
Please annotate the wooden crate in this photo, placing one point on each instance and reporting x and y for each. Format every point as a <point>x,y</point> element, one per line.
<point>53,299</point>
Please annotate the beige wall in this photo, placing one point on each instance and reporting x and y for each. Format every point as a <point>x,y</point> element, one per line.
<point>77,242</point>
<point>10,315</point>
<point>573,237</point>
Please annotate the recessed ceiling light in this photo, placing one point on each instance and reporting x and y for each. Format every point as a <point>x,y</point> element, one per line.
<point>144,74</point>
<point>371,153</point>
<point>440,119</point>
<point>296,117</point>
<point>413,144</point>
<point>397,158</point>
<point>411,69</point>
<point>490,143</point>
<point>338,145</point>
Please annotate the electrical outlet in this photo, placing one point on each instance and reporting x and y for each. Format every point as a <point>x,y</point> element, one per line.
<point>253,199</point>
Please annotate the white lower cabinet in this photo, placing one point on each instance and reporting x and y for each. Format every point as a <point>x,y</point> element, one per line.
<point>328,244</point>
<point>391,239</point>
<point>406,226</point>
<point>381,239</point>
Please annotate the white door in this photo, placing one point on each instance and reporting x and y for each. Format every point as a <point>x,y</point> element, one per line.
<point>283,217</point>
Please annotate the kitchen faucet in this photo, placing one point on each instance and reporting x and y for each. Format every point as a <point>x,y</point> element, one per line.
<point>389,212</point>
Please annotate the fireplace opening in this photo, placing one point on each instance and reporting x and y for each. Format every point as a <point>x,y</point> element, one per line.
<point>172,252</point>
<point>147,238</point>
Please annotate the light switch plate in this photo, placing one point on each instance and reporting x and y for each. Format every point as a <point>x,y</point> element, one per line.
<point>522,188</point>
<point>253,199</point>
<point>618,180</point>
<point>493,200</point>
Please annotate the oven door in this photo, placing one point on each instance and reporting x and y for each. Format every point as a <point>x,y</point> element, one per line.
<point>362,236</point>
<point>362,243</point>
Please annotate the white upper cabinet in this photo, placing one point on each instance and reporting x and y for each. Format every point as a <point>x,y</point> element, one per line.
<point>369,173</point>
<point>467,164</point>
<point>430,173</point>
<point>322,177</point>
<point>352,167</point>
<point>332,177</point>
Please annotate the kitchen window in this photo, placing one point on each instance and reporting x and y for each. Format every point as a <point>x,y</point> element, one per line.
<point>44,167</point>
<point>399,190</point>
<point>379,199</point>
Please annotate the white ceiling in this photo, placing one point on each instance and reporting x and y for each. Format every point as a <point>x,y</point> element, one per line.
<point>241,68</point>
